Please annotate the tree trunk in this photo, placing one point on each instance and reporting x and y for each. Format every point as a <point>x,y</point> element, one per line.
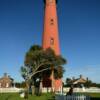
<point>26,90</point>
<point>41,85</point>
<point>33,89</point>
<point>53,80</point>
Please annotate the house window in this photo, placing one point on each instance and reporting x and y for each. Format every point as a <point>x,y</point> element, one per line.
<point>52,41</point>
<point>7,85</point>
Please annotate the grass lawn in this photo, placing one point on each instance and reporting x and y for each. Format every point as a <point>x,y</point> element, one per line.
<point>15,96</point>
<point>94,96</point>
<point>47,96</point>
<point>97,95</point>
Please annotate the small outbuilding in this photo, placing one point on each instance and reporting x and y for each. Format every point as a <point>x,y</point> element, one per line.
<point>6,81</point>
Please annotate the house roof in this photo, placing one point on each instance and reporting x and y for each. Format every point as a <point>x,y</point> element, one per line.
<point>6,78</point>
<point>80,80</point>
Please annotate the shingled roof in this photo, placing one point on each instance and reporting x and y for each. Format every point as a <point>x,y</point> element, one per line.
<point>79,80</point>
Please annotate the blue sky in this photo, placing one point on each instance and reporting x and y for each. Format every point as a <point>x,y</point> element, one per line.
<point>21,25</point>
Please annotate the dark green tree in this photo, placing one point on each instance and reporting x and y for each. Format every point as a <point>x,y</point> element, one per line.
<point>38,60</point>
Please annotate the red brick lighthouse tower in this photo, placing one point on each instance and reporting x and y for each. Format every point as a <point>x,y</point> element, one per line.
<point>50,34</point>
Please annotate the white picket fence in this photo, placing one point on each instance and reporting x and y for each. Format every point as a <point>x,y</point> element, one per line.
<point>72,97</point>
<point>10,90</point>
<point>88,90</point>
<point>65,90</point>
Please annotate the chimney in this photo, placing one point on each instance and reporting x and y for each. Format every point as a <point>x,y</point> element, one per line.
<point>87,79</point>
<point>73,78</point>
<point>5,75</point>
<point>81,76</point>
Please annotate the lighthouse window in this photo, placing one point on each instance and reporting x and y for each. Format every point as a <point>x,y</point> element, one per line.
<point>52,41</point>
<point>51,21</point>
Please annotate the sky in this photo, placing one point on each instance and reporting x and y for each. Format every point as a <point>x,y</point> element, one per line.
<point>21,26</point>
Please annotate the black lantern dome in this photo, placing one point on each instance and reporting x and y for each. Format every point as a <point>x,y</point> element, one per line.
<point>45,1</point>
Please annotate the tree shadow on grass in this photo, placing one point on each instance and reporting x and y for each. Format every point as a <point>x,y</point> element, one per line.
<point>8,97</point>
<point>51,98</point>
<point>93,98</point>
